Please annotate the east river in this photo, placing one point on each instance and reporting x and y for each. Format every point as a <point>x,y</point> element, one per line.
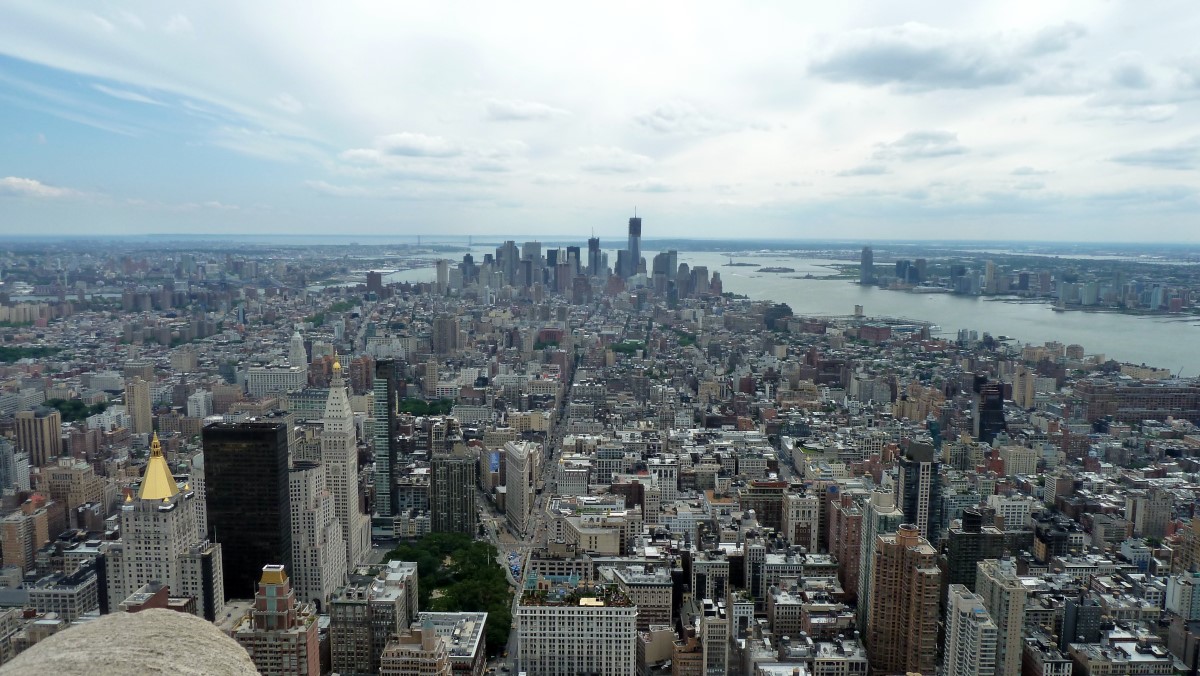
<point>1165,341</point>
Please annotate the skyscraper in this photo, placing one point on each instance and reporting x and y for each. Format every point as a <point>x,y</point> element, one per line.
<point>880,516</point>
<point>845,540</point>
<point>443,276</point>
<point>919,488</point>
<point>902,629</point>
<point>297,355</point>
<point>452,493</point>
<point>635,246</point>
<point>532,262</point>
<point>137,405</point>
<point>318,548</point>
<point>974,541</point>
<point>249,510</point>
<point>374,282</point>
<point>444,337</point>
<point>383,411</point>
<point>987,409</point>
<point>991,281</point>
<point>39,434</point>
<point>339,454</point>
<point>14,467</point>
<point>1004,596</point>
<point>573,259</point>
<point>161,542</point>
<point>508,259</point>
<point>594,263</point>
<point>518,480</point>
<point>866,266</point>
<point>970,635</point>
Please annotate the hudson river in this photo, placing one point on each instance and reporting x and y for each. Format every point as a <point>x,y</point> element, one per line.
<point>1165,341</point>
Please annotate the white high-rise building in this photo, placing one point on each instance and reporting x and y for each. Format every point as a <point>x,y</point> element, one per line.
<point>666,470</point>
<point>339,454</point>
<point>1004,596</point>
<point>570,630</point>
<point>318,549</point>
<point>200,404</point>
<point>970,635</point>
<point>297,355</point>
<point>160,542</point>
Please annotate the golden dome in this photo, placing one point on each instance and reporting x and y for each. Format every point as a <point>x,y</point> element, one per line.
<point>157,483</point>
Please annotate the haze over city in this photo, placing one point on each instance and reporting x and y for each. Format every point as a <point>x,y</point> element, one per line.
<point>659,339</point>
<point>926,120</point>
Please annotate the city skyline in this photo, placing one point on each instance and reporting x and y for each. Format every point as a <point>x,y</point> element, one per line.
<point>926,121</point>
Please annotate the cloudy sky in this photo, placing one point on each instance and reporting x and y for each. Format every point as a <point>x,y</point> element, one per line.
<point>1064,120</point>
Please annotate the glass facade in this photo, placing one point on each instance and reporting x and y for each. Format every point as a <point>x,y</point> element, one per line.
<point>246,479</point>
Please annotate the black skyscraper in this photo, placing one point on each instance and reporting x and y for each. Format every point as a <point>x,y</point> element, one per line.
<point>593,261</point>
<point>920,489</point>
<point>452,494</point>
<point>988,410</point>
<point>635,246</point>
<point>249,512</point>
<point>387,463</point>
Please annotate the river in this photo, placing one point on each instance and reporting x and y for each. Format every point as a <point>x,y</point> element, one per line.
<point>1165,341</point>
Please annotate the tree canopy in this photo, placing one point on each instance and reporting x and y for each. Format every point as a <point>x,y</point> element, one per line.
<point>467,578</point>
<point>422,407</point>
<point>10,354</point>
<point>74,409</point>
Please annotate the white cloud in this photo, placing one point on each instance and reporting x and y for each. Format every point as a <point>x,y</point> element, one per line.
<point>611,160</point>
<point>508,110</point>
<point>1028,171</point>
<point>918,56</point>
<point>288,104</point>
<point>791,103</point>
<point>681,117</point>
<point>262,144</point>
<point>104,24</point>
<point>553,179</point>
<point>416,145</point>
<point>131,19</point>
<point>177,24</point>
<point>865,170</point>
<point>651,185</point>
<point>1181,156</point>
<point>126,95</point>
<point>15,186</point>
<point>920,145</point>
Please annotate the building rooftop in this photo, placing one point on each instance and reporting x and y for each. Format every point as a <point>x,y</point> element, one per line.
<point>463,631</point>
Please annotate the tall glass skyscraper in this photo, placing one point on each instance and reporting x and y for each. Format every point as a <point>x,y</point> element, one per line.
<point>249,510</point>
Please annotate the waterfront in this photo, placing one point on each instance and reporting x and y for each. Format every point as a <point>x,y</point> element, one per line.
<point>1166,341</point>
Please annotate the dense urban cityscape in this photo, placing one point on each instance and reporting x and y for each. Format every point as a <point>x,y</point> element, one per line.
<point>542,338</point>
<point>570,460</point>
